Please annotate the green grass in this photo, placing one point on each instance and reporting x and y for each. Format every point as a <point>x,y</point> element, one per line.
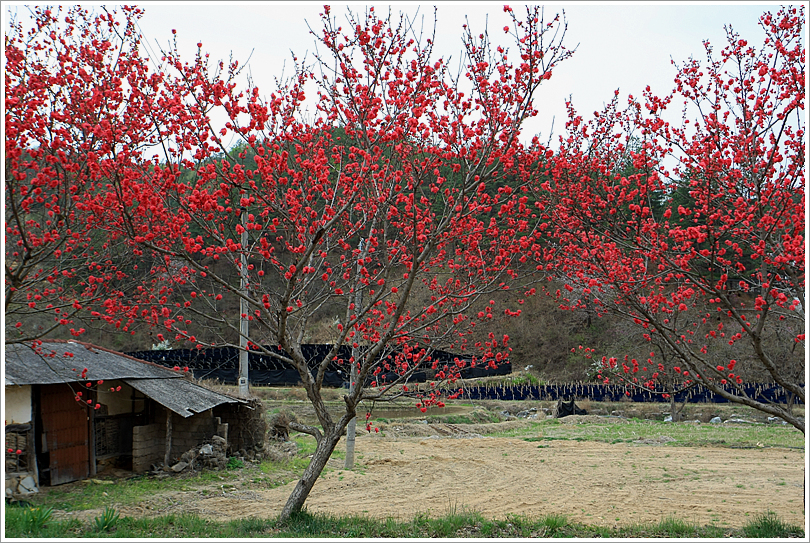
<point>454,524</point>
<point>768,525</point>
<point>683,434</point>
<point>93,496</point>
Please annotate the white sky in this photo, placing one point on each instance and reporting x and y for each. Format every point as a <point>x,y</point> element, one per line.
<point>622,46</point>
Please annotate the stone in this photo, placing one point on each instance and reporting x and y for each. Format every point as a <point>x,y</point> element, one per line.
<point>207,449</point>
<point>716,420</point>
<point>180,466</point>
<point>27,486</point>
<point>668,418</point>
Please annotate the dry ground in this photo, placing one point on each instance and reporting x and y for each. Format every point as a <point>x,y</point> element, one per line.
<point>450,467</point>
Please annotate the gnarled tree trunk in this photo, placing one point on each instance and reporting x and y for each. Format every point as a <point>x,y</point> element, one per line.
<point>322,454</point>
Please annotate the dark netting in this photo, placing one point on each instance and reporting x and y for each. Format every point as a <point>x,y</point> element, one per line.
<point>222,364</point>
<point>763,392</point>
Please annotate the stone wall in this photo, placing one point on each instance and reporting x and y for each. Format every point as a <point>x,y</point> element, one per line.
<point>149,441</point>
<point>190,432</point>
<point>148,446</point>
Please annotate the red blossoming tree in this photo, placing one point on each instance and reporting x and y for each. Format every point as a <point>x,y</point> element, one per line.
<point>694,230</point>
<point>393,205</point>
<point>72,122</point>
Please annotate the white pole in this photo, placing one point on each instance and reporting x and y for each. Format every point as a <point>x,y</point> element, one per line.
<point>243,310</point>
<point>351,430</point>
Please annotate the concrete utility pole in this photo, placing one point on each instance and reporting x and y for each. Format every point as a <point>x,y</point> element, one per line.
<point>243,311</point>
<point>351,429</point>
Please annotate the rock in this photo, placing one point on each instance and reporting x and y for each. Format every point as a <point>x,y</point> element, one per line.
<point>27,486</point>
<point>739,421</point>
<point>716,420</point>
<point>668,418</point>
<point>207,449</point>
<point>180,466</point>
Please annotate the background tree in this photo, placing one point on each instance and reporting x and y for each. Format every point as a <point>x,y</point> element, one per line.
<point>730,257</point>
<point>387,210</point>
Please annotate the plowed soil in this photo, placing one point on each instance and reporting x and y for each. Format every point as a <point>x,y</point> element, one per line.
<point>452,469</point>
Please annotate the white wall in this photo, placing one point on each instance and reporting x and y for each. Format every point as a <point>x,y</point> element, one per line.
<point>18,404</point>
<point>116,402</point>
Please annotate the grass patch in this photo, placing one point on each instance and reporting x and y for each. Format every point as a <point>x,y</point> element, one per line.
<point>454,524</point>
<point>681,434</point>
<point>23,521</point>
<point>89,495</point>
<point>768,525</point>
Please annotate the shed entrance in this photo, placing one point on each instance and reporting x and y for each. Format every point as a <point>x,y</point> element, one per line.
<point>65,429</point>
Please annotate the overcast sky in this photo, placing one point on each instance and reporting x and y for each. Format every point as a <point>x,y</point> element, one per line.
<point>622,46</point>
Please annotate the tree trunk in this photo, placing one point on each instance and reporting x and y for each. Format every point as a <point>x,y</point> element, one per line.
<point>673,409</point>
<point>301,491</point>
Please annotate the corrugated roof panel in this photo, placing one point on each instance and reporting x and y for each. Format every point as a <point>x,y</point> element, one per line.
<point>181,396</point>
<point>63,362</point>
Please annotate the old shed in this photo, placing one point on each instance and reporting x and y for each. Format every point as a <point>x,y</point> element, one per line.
<point>72,409</point>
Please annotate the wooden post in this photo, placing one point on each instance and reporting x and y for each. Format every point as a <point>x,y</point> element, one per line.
<point>91,420</point>
<point>168,437</point>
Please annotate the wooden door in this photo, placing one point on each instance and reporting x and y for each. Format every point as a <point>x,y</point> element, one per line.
<point>66,428</point>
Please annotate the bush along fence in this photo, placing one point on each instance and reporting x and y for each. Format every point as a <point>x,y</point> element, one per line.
<point>599,392</point>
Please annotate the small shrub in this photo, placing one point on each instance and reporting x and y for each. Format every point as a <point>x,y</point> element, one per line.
<point>675,527</point>
<point>235,463</point>
<point>35,518</point>
<point>279,425</point>
<point>770,526</point>
<point>107,521</point>
<point>553,523</point>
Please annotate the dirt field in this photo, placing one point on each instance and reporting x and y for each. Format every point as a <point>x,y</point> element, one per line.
<point>589,482</point>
